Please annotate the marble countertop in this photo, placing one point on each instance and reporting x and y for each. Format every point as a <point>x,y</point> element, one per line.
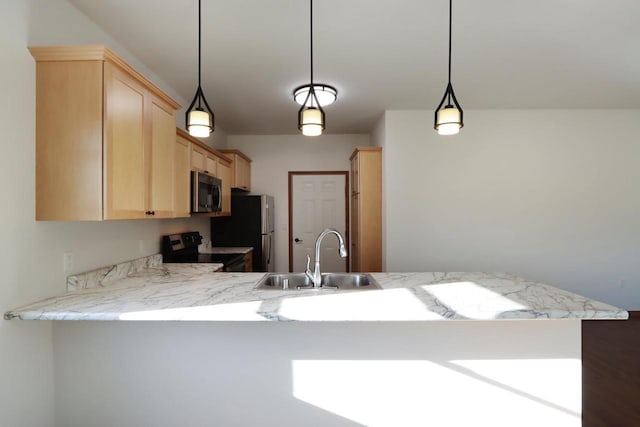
<point>193,292</point>
<point>224,250</point>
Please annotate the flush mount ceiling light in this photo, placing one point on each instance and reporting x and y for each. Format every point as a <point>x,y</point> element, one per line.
<point>448,118</point>
<point>326,94</point>
<point>311,115</point>
<point>199,116</point>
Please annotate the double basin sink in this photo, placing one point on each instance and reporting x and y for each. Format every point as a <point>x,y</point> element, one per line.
<point>300,281</point>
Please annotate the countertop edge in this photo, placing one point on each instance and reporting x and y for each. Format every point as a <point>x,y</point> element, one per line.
<point>110,317</point>
<point>181,292</point>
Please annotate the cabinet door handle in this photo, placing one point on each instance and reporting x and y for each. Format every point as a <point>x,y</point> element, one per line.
<point>297,240</point>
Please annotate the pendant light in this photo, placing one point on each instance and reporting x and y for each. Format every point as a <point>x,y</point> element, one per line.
<point>311,114</point>
<point>448,119</point>
<point>199,116</point>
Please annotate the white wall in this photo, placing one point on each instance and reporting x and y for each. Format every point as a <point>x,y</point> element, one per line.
<point>275,155</point>
<point>32,252</point>
<point>330,374</point>
<point>549,195</point>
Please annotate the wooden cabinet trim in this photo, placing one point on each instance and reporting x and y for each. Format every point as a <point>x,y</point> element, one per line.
<point>217,153</point>
<point>238,152</point>
<point>361,149</point>
<point>182,178</point>
<point>95,53</point>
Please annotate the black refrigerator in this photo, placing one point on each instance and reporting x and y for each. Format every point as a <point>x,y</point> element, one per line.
<point>250,224</point>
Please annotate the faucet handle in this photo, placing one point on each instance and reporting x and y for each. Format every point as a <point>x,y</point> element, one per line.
<point>308,272</point>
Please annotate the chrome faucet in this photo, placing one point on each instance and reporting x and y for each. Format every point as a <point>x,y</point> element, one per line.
<point>316,275</point>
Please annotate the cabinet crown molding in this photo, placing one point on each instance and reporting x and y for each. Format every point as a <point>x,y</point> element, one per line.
<point>361,149</point>
<point>219,153</point>
<point>238,152</point>
<point>95,53</point>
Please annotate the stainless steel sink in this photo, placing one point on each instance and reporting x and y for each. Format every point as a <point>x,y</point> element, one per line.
<point>300,281</point>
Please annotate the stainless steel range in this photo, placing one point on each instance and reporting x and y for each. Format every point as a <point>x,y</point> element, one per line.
<point>183,248</point>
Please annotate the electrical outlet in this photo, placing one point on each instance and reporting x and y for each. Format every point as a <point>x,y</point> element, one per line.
<point>622,284</point>
<point>67,262</point>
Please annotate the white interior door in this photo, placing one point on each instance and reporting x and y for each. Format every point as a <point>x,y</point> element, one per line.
<point>318,202</point>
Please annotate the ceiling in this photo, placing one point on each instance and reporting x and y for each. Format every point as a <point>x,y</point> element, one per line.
<point>382,54</point>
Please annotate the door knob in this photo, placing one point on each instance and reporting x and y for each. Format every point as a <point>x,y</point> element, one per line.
<point>297,240</point>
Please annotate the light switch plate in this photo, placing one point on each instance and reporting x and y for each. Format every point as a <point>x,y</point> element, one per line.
<point>67,262</point>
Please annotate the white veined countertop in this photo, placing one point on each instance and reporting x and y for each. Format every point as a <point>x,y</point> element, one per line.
<point>194,292</point>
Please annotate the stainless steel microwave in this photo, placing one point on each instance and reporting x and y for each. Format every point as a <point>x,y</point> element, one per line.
<point>206,193</point>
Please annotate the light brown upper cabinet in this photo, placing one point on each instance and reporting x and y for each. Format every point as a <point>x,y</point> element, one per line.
<point>224,173</point>
<point>240,169</point>
<point>202,160</point>
<point>182,177</point>
<point>210,161</point>
<point>366,209</point>
<point>105,138</point>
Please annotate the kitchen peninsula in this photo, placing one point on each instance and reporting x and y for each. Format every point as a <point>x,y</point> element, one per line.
<point>465,348</point>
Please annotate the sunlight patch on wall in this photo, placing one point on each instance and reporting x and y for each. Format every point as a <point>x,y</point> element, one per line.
<point>530,378</point>
<point>407,393</point>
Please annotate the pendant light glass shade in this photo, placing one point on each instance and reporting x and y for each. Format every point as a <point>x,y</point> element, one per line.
<point>448,117</point>
<point>448,121</point>
<point>199,123</point>
<point>199,116</point>
<point>312,122</point>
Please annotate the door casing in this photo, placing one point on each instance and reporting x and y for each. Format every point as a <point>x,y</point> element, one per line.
<point>346,209</point>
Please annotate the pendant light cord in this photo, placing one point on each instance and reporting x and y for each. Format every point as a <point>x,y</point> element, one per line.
<point>199,47</point>
<point>450,14</point>
<point>311,37</point>
<point>200,39</point>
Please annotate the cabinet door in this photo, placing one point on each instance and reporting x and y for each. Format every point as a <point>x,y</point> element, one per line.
<point>355,233</point>
<point>124,146</point>
<point>243,171</point>
<point>224,173</point>
<point>162,141</point>
<point>181,178</point>
<point>69,133</point>
<point>355,174</point>
<point>248,262</point>
<point>197,158</point>
<point>211,165</point>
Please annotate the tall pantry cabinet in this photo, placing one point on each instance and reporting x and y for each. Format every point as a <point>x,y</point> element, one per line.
<point>366,209</point>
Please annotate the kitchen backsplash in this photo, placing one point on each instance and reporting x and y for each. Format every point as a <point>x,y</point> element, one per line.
<point>103,276</point>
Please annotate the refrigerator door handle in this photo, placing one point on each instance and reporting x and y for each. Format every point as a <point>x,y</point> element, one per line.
<point>269,250</point>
